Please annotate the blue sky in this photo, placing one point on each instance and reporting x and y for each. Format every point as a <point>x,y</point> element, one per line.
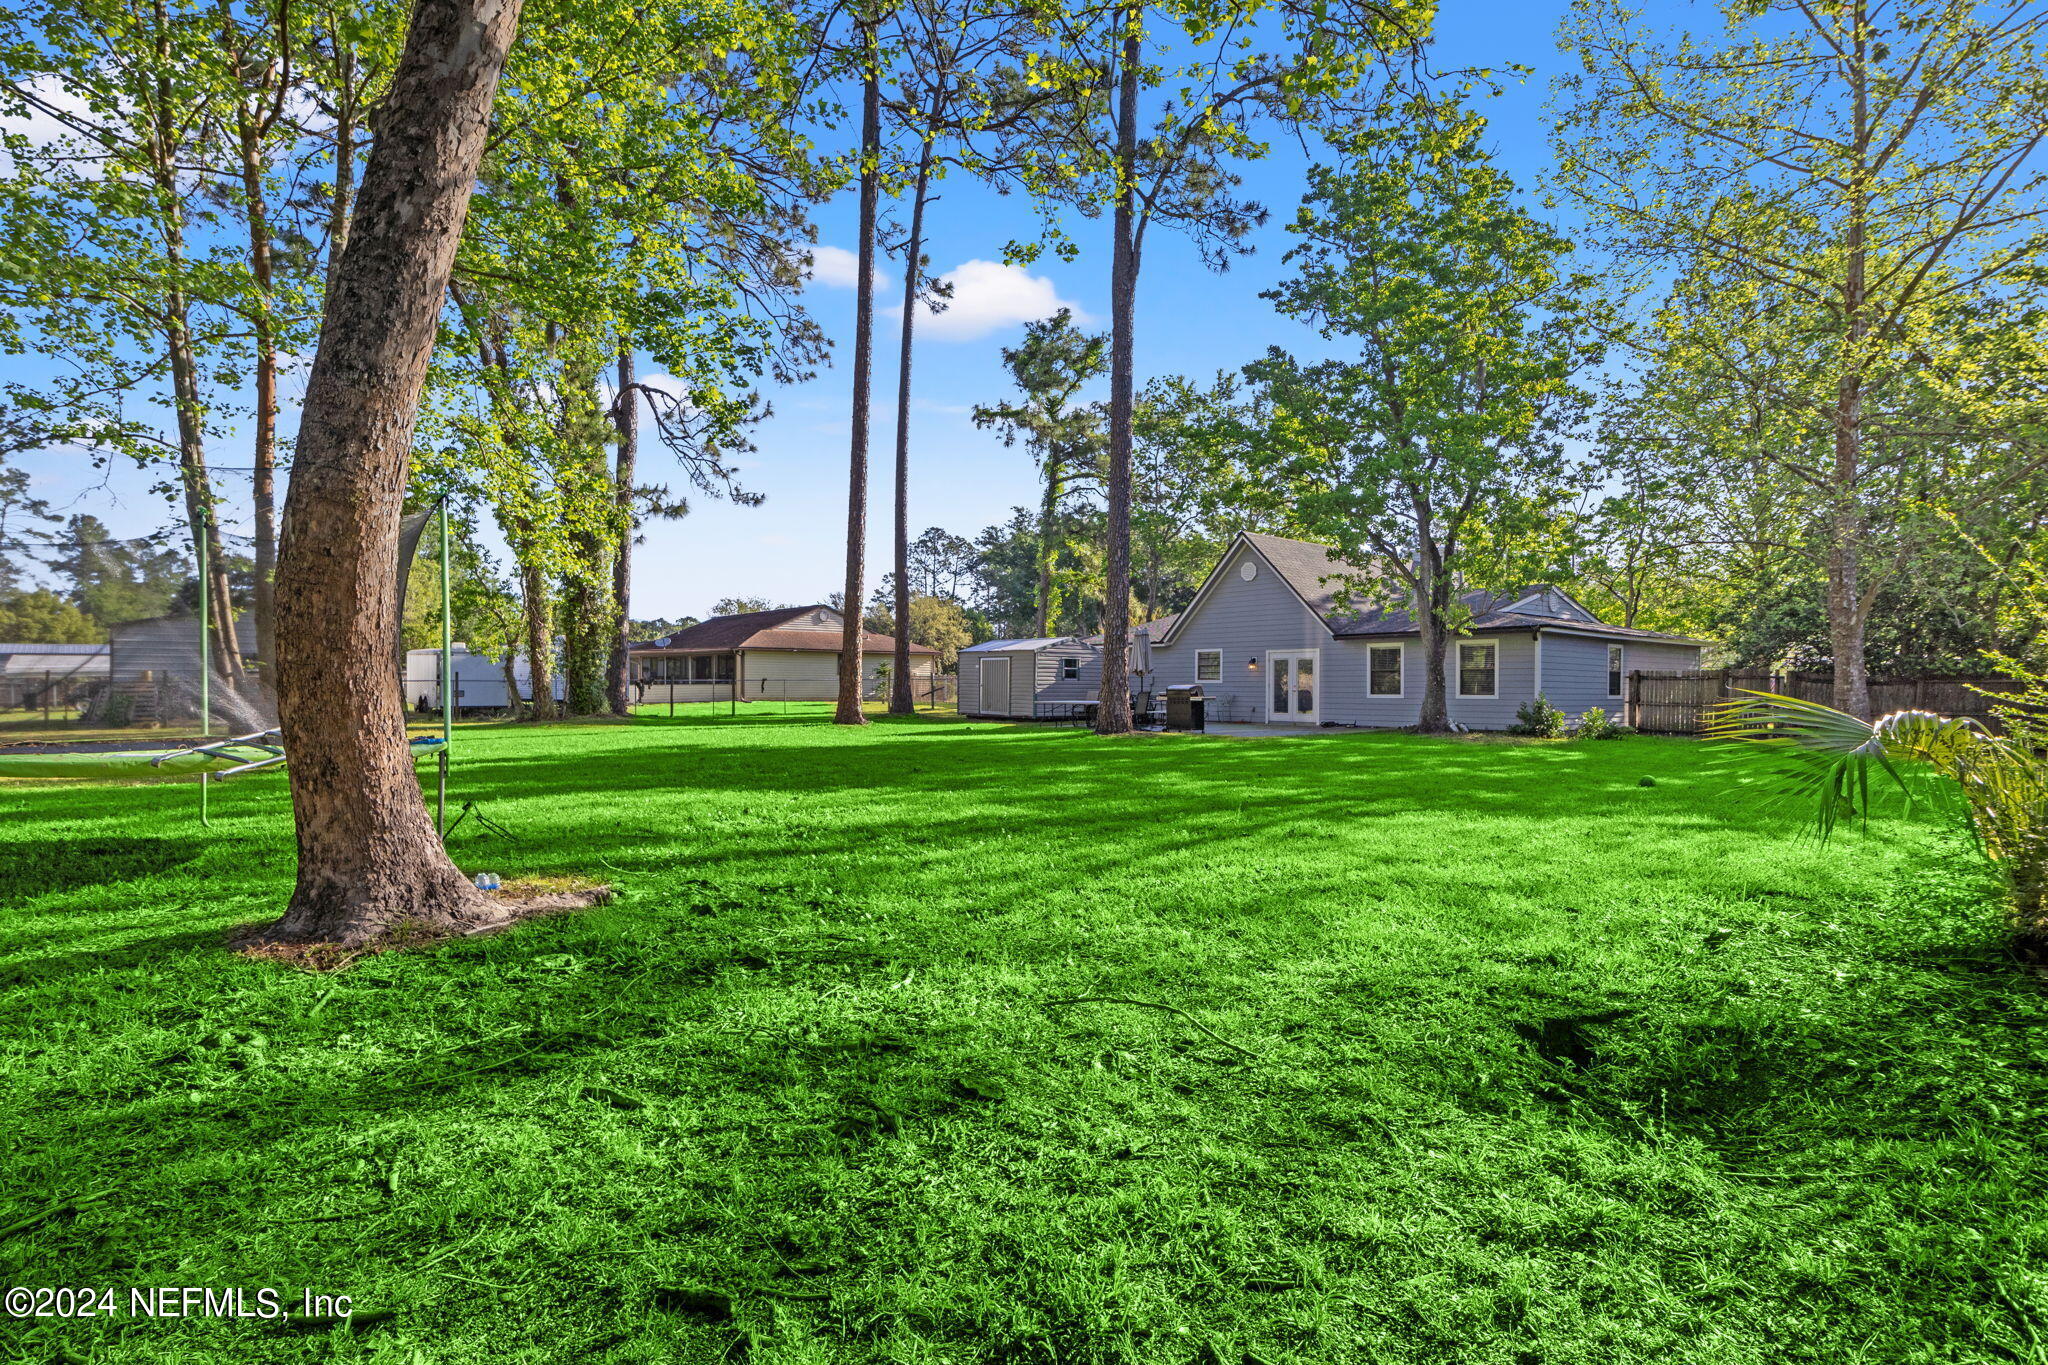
<point>791,547</point>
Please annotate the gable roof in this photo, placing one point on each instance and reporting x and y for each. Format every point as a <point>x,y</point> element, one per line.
<point>1042,642</point>
<point>769,630</point>
<point>1304,565</point>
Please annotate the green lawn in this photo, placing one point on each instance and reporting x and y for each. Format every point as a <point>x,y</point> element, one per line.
<point>1547,1065</point>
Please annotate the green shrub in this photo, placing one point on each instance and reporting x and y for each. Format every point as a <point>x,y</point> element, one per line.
<point>1597,724</point>
<point>1538,718</point>
<point>117,710</point>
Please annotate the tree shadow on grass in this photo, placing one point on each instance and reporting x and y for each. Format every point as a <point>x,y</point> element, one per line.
<point>39,867</point>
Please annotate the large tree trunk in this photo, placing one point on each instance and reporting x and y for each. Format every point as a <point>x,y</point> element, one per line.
<point>223,648</point>
<point>1846,525</point>
<point>1846,616</point>
<point>1048,518</point>
<point>341,205</point>
<point>509,667</point>
<point>626,415</point>
<point>369,859</point>
<point>588,627</point>
<point>901,702</point>
<point>1433,601</point>
<point>588,633</point>
<point>848,711</point>
<point>1113,715</point>
<point>263,454</point>
<point>537,617</point>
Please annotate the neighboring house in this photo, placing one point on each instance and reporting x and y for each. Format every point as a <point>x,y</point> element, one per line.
<point>1266,632</point>
<point>166,649</point>
<point>28,671</point>
<point>1016,678</point>
<point>790,653</point>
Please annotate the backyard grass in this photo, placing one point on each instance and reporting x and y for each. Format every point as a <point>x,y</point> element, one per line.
<point>1479,1051</point>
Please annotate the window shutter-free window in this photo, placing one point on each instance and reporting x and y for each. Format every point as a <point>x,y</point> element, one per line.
<point>1386,670</point>
<point>1477,670</point>
<point>1070,668</point>
<point>1614,670</point>
<point>1208,665</point>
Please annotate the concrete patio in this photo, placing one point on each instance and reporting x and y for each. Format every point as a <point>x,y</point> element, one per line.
<point>1224,729</point>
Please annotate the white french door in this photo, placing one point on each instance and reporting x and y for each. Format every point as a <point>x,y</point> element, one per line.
<point>1292,685</point>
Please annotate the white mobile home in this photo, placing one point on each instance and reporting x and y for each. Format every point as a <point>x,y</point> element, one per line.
<point>479,680</point>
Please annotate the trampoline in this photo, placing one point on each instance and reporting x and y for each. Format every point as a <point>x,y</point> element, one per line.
<point>218,759</point>
<point>215,760</point>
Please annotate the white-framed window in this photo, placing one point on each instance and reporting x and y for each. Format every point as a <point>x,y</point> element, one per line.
<point>1383,665</point>
<point>1479,670</point>
<point>1070,668</point>
<point>1208,665</point>
<point>1614,662</point>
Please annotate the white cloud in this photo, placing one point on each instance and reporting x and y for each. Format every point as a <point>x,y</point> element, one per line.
<point>989,296</point>
<point>837,268</point>
<point>43,130</point>
<point>665,383</point>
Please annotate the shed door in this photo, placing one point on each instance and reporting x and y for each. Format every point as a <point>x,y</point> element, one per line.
<point>995,687</point>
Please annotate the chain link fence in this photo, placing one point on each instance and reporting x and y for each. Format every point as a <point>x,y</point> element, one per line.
<point>782,696</point>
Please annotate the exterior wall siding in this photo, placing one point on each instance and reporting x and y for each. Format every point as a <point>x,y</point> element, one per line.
<point>1054,688</point>
<point>806,674</point>
<point>1575,669</point>
<point>1242,621</point>
<point>1034,678</point>
<point>165,647</point>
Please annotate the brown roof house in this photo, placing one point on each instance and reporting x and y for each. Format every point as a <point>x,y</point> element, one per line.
<point>788,654</point>
<point>1267,637</point>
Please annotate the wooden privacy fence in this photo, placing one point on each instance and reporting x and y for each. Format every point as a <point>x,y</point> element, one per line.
<point>1676,701</point>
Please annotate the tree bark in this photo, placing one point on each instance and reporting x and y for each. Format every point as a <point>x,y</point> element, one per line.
<point>848,711</point>
<point>901,702</point>
<point>1113,715</point>
<point>223,649</point>
<point>537,617</point>
<point>1048,518</point>
<point>263,454</point>
<point>1846,523</point>
<point>1432,601</point>
<point>370,862</point>
<point>1846,614</point>
<point>342,203</point>
<point>626,416</point>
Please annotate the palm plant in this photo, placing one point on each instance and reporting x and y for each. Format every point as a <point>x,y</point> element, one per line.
<point>1995,787</point>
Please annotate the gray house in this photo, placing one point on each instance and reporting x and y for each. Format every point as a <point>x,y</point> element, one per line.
<point>1018,678</point>
<point>1266,638</point>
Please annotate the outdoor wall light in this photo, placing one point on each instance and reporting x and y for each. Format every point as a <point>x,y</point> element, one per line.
<point>1252,663</point>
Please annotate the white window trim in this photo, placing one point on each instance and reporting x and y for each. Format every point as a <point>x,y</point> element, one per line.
<point>1620,674</point>
<point>1401,673</point>
<point>1464,645</point>
<point>1070,668</point>
<point>1219,665</point>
